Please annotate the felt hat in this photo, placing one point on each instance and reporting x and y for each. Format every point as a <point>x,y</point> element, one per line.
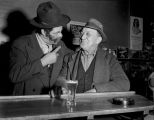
<point>49,16</point>
<point>95,24</point>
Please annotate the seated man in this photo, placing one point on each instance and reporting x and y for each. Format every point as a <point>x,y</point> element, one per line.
<point>96,69</point>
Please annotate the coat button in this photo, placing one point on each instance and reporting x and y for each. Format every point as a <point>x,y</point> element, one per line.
<point>33,90</point>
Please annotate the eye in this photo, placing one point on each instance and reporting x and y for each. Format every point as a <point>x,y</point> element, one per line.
<point>56,33</point>
<point>85,33</point>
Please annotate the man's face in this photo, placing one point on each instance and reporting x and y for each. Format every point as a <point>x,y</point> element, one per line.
<point>54,35</point>
<point>89,39</point>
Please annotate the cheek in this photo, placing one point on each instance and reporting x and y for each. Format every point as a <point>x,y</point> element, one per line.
<point>56,36</point>
<point>89,41</point>
<point>86,43</point>
<point>53,36</point>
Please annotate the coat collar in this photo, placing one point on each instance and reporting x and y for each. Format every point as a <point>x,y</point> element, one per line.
<point>74,60</point>
<point>33,48</point>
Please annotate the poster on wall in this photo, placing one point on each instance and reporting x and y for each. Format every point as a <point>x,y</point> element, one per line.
<point>136,33</point>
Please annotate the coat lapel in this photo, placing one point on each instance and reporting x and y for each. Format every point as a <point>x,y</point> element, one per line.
<point>35,52</point>
<point>34,49</point>
<point>101,67</point>
<point>57,67</point>
<point>73,65</point>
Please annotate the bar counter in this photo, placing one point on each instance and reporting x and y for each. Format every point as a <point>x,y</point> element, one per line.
<point>42,107</point>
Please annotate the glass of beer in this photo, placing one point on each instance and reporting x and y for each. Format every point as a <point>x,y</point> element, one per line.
<point>71,86</point>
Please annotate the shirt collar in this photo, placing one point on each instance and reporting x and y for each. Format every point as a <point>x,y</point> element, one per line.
<point>86,53</point>
<point>44,46</point>
<point>40,39</point>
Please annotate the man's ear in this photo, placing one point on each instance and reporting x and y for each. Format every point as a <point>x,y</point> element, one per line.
<point>43,32</point>
<point>99,39</point>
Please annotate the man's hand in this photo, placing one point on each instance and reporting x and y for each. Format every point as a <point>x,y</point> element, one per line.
<point>65,91</point>
<point>91,91</point>
<point>51,57</point>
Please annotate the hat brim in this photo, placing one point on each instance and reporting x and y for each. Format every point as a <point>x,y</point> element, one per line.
<point>100,32</point>
<point>62,22</point>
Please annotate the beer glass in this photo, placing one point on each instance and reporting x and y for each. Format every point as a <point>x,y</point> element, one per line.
<point>71,86</point>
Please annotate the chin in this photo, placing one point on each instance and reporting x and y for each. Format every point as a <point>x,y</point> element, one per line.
<point>83,47</point>
<point>55,41</point>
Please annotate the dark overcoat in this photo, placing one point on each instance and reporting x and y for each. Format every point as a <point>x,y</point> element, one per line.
<point>26,71</point>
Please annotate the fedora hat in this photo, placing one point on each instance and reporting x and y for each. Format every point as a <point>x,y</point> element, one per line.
<point>49,16</point>
<point>95,24</point>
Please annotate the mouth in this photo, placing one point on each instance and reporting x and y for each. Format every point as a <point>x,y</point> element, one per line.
<point>55,41</point>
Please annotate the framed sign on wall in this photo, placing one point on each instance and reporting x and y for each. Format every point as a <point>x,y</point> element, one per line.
<point>75,28</point>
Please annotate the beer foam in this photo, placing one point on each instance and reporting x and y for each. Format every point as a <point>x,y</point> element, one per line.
<point>71,81</point>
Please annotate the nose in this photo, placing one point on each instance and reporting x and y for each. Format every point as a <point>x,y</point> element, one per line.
<point>82,36</point>
<point>60,35</point>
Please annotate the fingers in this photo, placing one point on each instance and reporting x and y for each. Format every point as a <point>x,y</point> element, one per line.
<point>91,91</point>
<point>57,54</point>
<point>64,91</point>
<point>52,95</point>
<point>57,49</point>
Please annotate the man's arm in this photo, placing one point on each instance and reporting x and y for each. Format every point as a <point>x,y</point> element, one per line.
<point>63,73</point>
<point>21,68</point>
<point>118,81</point>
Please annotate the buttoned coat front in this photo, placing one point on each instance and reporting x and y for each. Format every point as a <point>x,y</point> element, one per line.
<point>27,73</point>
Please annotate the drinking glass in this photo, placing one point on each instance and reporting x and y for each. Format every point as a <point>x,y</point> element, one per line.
<point>71,86</point>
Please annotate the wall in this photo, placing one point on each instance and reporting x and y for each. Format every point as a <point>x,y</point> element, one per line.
<point>114,14</point>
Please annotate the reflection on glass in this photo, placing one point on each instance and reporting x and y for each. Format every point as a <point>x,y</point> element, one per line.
<point>71,91</point>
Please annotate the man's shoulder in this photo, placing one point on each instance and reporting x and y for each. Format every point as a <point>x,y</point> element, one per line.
<point>65,49</point>
<point>71,54</point>
<point>107,53</point>
<point>22,40</point>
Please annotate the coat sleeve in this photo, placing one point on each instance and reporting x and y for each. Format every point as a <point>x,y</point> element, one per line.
<point>63,75</point>
<point>118,81</point>
<point>21,67</point>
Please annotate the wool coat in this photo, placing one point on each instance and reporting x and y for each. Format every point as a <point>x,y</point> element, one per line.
<point>108,74</point>
<point>26,71</point>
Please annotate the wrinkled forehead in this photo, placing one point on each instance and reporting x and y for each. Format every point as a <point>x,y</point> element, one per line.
<point>89,30</point>
<point>57,29</point>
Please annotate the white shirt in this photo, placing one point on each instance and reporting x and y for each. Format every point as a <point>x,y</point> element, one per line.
<point>87,59</point>
<point>45,47</point>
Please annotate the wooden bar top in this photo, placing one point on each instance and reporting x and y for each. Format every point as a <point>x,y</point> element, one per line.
<point>41,107</point>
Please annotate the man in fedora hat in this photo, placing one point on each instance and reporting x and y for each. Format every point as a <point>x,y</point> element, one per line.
<point>36,59</point>
<point>96,69</point>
